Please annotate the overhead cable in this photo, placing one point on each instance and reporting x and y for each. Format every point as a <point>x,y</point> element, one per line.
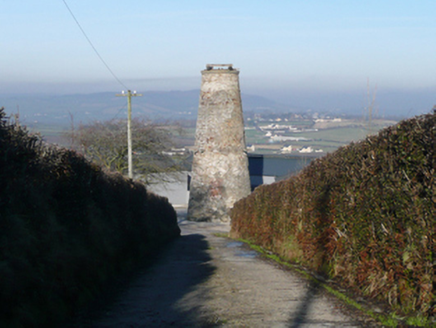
<point>93,47</point>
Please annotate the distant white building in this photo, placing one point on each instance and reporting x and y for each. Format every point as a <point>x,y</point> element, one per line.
<point>306,150</point>
<point>322,120</point>
<point>276,138</point>
<point>286,150</point>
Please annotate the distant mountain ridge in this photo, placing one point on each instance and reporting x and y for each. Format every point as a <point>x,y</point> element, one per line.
<point>106,105</point>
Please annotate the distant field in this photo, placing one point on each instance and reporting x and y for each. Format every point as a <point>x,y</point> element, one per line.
<point>335,137</point>
<point>51,133</point>
<point>48,129</point>
<point>286,123</point>
<point>340,135</point>
<point>255,137</point>
<point>375,124</point>
<point>326,139</point>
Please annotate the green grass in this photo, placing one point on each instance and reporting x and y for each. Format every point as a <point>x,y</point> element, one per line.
<point>255,137</point>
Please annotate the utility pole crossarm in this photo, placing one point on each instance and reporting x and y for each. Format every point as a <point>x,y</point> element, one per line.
<point>129,96</point>
<point>132,94</point>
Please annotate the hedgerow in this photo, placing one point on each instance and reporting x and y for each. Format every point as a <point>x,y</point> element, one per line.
<point>66,228</point>
<point>364,215</point>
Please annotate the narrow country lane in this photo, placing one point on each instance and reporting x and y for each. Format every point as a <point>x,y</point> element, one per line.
<point>203,280</point>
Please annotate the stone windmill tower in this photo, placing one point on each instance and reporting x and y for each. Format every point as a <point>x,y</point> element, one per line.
<point>220,174</point>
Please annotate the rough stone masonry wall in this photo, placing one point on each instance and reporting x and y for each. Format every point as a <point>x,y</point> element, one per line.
<point>220,174</point>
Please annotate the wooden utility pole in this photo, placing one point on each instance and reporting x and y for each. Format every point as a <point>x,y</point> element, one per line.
<point>129,96</point>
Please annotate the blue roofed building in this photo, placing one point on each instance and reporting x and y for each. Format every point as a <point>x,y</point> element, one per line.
<point>266,169</point>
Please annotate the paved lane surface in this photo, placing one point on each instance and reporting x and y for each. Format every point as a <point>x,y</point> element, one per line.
<point>202,280</point>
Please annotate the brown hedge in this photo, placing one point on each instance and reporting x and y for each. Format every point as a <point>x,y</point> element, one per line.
<point>66,227</point>
<point>364,215</point>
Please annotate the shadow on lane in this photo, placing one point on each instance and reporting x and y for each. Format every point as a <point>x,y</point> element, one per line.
<point>300,317</point>
<point>164,293</point>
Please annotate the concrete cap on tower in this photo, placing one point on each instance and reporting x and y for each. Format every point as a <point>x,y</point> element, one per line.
<point>220,66</point>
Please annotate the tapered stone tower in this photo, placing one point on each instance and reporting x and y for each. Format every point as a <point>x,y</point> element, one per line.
<point>220,166</point>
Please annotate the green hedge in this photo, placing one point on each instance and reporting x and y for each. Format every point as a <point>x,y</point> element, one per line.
<point>66,227</point>
<point>364,215</point>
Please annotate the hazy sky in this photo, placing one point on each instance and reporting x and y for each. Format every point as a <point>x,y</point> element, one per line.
<point>306,53</point>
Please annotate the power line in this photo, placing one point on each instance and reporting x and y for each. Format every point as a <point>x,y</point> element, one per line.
<point>95,50</point>
<point>119,111</point>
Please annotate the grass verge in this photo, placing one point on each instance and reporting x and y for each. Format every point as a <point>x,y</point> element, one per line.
<point>387,320</point>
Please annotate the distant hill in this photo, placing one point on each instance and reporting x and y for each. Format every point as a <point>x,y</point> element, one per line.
<point>104,106</point>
